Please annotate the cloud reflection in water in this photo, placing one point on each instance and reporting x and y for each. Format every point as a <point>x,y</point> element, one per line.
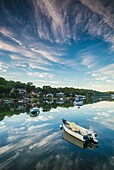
<point>36,143</point>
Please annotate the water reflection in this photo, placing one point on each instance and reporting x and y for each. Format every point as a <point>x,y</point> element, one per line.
<point>9,109</point>
<point>34,111</point>
<point>36,142</point>
<point>78,142</point>
<point>78,103</point>
<point>34,114</point>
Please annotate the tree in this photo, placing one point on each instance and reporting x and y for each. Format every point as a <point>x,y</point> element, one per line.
<point>2,81</point>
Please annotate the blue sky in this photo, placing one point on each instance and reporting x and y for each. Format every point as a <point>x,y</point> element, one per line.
<point>68,43</point>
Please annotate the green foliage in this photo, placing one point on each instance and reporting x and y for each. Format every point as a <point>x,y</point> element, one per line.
<point>3,81</point>
<point>6,87</point>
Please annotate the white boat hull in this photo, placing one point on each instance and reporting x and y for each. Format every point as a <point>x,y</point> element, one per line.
<point>34,110</point>
<point>77,135</point>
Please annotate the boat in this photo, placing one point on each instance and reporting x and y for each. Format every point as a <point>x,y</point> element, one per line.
<point>80,132</point>
<point>75,141</point>
<point>78,102</point>
<point>34,111</point>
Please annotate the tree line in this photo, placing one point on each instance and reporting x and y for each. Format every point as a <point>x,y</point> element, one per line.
<point>6,87</point>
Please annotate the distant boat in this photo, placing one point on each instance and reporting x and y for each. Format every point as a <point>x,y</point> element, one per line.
<point>34,111</point>
<point>7,101</point>
<point>79,132</point>
<point>112,96</point>
<point>78,102</point>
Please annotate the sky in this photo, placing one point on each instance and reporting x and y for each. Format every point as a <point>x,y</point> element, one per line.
<point>66,43</point>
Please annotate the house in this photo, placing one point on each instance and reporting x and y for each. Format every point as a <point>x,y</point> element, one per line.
<point>60,94</point>
<point>34,94</point>
<point>7,101</point>
<point>50,95</point>
<point>21,90</point>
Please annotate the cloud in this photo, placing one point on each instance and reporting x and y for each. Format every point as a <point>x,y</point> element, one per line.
<point>101,115</point>
<point>88,61</point>
<point>48,81</point>
<point>104,78</point>
<point>40,75</point>
<point>28,138</point>
<point>101,22</point>
<point>25,54</point>
<point>8,163</point>
<point>59,21</point>
<point>10,35</point>
<point>103,87</point>
<point>101,78</point>
<point>107,70</point>
<point>45,141</point>
<point>104,74</point>
<point>51,38</point>
<point>94,75</point>
<point>3,67</point>
<point>15,57</point>
<point>30,134</point>
<point>7,47</point>
<point>32,128</point>
<point>20,56</point>
<point>35,66</point>
<point>39,56</point>
<point>99,8</point>
<point>5,149</point>
<point>54,19</point>
<point>104,114</point>
<point>47,55</point>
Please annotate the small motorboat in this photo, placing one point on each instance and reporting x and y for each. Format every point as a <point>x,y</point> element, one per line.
<point>34,111</point>
<point>79,132</point>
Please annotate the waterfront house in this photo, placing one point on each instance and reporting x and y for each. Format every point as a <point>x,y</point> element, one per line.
<point>60,95</point>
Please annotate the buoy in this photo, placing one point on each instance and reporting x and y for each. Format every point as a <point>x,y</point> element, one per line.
<point>61,127</point>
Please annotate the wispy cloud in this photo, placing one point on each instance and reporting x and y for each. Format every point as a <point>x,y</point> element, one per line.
<point>107,70</point>
<point>15,57</point>
<point>101,86</point>
<point>47,55</point>
<point>40,75</point>
<point>101,24</point>
<point>103,78</point>
<point>36,66</point>
<point>88,61</point>
<point>10,35</point>
<point>20,55</point>
<point>104,114</point>
<point>3,67</point>
<point>57,38</point>
<point>101,115</point>
<point>98,7</point>
<point>54,18</point>
<point>105,73</point>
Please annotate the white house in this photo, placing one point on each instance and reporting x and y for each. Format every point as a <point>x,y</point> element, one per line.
<point>60,94</point>
<point>49,95</point>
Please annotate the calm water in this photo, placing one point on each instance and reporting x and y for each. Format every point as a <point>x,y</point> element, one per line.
<point>37,143</point>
